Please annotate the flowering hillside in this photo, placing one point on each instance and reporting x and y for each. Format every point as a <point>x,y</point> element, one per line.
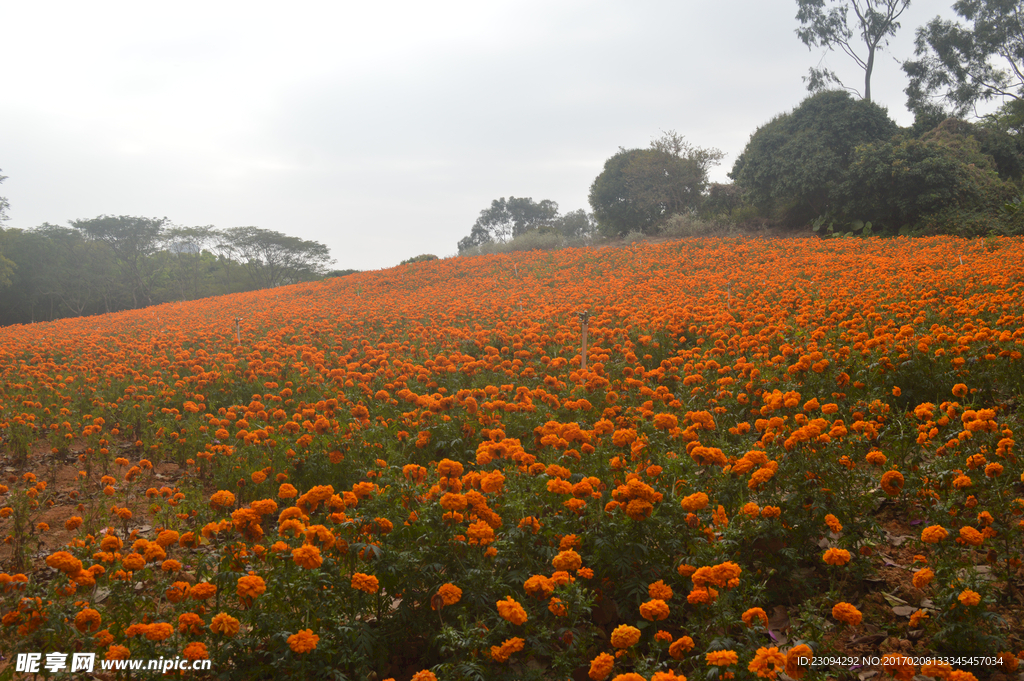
<point>777,451</point>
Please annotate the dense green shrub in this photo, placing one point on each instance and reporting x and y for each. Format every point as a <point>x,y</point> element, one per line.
<point>419,258</point>
<point>940,183</point>
<point>793,165</point>
<point>540,239</point>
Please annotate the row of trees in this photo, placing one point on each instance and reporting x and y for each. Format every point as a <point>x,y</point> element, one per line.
<point>112,263</point>
<point>956,64</point>
<point>507,220</point>
<point>836,162</point>
<point>638,190</point>
<point>841,162</point>
<point>845,164</point>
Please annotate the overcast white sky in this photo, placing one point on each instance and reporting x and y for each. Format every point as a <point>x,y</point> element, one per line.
<point>380,129</point>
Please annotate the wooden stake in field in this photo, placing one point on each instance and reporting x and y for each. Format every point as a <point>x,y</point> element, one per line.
<point>238,330</point>
<point>584,318</point>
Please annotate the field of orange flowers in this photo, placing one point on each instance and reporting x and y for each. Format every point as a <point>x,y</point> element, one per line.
<point>776,451</point>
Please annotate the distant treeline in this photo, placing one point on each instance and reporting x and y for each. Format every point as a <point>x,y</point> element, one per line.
<point>115,263</point>
<point>835,164</point>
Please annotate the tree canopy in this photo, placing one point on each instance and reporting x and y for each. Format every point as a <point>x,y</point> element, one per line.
<point>942,179</point>
<point>641,188</point>
<point>6,266</point>
<point>959,65</point>
<point>507,219</point>
<point>132,241</point>
<point>793,164</point>
<point>113,263</point>
<point>827,24</point>
<point>272,258</point>
<point>4,205</point>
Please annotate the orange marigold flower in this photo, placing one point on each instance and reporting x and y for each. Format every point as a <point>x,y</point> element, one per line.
<point>567,560</point>
<point>303,641</point>
<point>557,607</point>
<point>667,676</point>
<point>923,577</point>
<point>659,589</point>
<point>307,556</point>
<point>364,582</point>
<point>665,421</point>
<point>195,651</point>
<point>750,615</point>
<point>453,502</point>
<point>833,523</point>
<point>177,592</point>
<point>154,552</point>
<point>480,532</point>
<point>222,500</point>
<point>961,675</point>
<point>654,610</point>
<point>971,536</point>
<point>625,636</point>
<point>203,591</point>
<point>250,586</point>
<point>287,491</point>
<point>190,623</point>
<point>694,502</point>
<point>449,469</point>
<point>539,586</point>
<point>65,562</point>
<point>936,669</point>
<point>836,557</point>
<point>512,611</point>
<point>771,512</point>
<point>167,538</point>
<point>798,659</point>
<point>892,483</point>
<point>969,598</point>
<point>88,620</point>
<point>916,618</point>
<point>159,631</point>
<point>876,458</point>
<point>767,662</point>
<point>504,651</point>
<point>680,647</point>
<point>117,653</point>
<point>448,594</point>
<point>933,534</point>
<point>601,667</point>
<point>846,613</point>
<point>424,675</point>
<point>899,666</point>
<point>639,509</point>
<point>702,595</point>
<point>721,658</point>
<point>73,523</point>
<point>224,624</point>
